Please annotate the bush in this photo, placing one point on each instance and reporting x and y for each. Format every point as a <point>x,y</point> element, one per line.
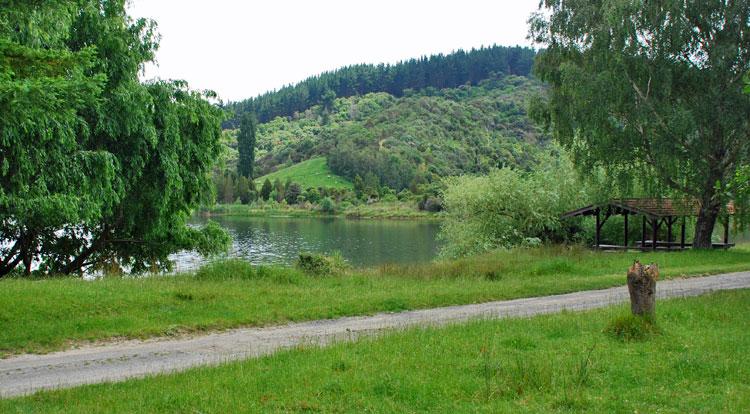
<point>327,205</point>
<point>321,265</point>
<point>227,269</point>
<point>632,328</point>
<point>312,195</point>
<point>431,204</point>
<point>405,195</point>
<point>509,208</point>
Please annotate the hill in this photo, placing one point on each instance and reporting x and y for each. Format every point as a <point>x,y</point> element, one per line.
<point>413,140</point>
<point>436,71</point>
<point>313,173</point>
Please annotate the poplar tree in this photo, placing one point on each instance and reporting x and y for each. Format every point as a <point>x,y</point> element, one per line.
<point>246,146</point>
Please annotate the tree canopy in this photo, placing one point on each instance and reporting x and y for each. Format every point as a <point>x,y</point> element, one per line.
<point>95,166</point>
<point>437,71</point>
<point>651,90</point>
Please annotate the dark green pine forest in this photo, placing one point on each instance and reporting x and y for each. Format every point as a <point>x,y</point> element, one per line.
<point>436,71</point>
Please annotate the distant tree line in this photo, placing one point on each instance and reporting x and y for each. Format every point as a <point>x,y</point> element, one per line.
<point>437,71</point>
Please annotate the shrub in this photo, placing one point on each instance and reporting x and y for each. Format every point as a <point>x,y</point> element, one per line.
<point>508,207</point>
<point>226,269</point>
<point>405,195</point>
<point>321,265</point>
<point>327,205</point>
<point>292,192</point>
<point>429,203</point>
<point>312,195</point>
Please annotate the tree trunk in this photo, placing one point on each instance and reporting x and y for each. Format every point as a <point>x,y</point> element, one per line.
<point>704,227</point>
<point>642,288</point>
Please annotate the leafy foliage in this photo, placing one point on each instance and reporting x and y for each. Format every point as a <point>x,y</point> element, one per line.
<point>95,166</point>
<point>321,265</point>
<point>652,91</point>
<point>246,146</point>
<point>509,207</point>
<point>437,71</point>
<point>411,141</point>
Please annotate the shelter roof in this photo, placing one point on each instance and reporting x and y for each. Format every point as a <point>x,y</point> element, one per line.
<point>653,207</point>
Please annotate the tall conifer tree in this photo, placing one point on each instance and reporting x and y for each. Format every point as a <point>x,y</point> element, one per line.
<point>246,146</point>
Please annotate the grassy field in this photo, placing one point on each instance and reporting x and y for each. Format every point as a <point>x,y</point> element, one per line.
<point>559,363</point>
<point>311,173</point>
<point>50,314</point>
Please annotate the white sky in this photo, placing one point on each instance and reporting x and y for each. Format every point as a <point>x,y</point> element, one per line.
<point>243,48</point>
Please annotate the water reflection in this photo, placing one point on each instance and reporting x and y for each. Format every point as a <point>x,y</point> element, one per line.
<point>361,242</point>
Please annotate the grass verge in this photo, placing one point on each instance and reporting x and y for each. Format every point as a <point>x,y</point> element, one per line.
<point>554,363</point>
<point>51,314</point>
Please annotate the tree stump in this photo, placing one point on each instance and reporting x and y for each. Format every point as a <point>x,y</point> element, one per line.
<point>642,288</point>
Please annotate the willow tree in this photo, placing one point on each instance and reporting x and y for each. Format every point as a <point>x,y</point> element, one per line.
<point>96,166</point>
<point>651,90</point>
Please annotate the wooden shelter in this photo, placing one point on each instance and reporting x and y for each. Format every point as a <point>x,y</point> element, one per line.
<point>655,212</point>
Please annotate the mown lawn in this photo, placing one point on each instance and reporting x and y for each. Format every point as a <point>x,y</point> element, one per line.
<point>556,363</point>
<point>311,173</point>
<point>50,314</point>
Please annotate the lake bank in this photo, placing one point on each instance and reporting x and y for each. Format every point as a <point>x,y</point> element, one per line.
<point>382,210</point>
<point>36,314</point>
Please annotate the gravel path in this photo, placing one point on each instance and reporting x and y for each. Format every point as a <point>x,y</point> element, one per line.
<point>26,374</point>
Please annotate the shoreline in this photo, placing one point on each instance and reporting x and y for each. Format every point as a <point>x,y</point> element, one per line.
<point>388,212</point>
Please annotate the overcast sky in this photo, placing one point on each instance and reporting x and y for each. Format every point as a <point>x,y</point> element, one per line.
<point>243,48</point>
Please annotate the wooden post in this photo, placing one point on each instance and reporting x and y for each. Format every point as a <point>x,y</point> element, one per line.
<point>682,236</point>
<point>669,232</point>
<point>642,288</point>
<point>626,230</point>
<point>643,234</point>
<point>726,233</point>
<point>598,228</point>
<point>655,232</point>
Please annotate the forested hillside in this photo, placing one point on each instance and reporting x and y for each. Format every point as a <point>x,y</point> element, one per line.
<point>437,71</point>
<point>407,142</point>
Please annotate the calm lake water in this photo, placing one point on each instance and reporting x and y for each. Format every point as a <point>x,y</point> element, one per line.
<point>263,240</point>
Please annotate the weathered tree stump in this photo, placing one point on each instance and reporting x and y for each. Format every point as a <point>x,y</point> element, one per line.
<point>642,288</point>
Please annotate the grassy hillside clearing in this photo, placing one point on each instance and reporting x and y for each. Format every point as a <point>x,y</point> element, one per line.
<point>555,363</point>
<point>51,314</point>
<point>311,173</point>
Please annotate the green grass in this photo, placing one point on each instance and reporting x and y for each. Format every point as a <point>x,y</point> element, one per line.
<point>50,314</point>
<point>556,363</point>
<point>394,210</point>
<point>311,173</point>
<point>389,210</point>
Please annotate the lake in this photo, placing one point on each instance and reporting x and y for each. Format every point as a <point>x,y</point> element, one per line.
<point>270,240</point>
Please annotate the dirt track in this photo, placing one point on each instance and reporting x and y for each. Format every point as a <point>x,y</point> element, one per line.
<point>118,361</point>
